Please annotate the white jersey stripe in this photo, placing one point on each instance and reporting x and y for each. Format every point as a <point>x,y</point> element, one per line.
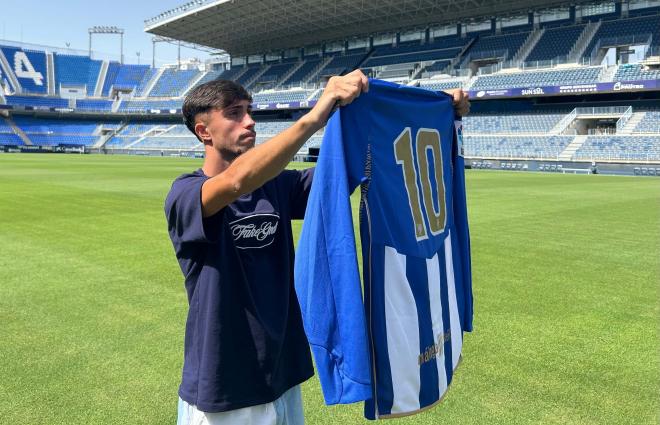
<point>402,334</point>
<point>454,319</point>
<point>433,273</point>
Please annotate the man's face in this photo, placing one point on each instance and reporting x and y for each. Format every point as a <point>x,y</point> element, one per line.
<point>231,129</point>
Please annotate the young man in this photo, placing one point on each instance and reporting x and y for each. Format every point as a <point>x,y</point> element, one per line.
<point>230,223</point>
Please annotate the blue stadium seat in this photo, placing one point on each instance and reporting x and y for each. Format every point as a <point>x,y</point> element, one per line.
<point>71,70</point>
<point>582,75</point>
<point>31,64</point>
<point>173,82</point>
<point>626,27</point>
<point>555,42</point>
<point>124,77</point>
<point>626,148</point>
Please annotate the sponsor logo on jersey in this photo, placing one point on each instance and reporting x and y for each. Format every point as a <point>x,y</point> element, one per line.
<point>434,350</point>
<point>459,138</point>
<point>255,231</point>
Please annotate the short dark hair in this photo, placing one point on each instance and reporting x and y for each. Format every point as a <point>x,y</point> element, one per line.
<point>215,94</point>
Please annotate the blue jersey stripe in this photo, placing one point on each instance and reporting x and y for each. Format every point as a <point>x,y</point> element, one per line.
<point>417,278</point>
<point>449,369</point>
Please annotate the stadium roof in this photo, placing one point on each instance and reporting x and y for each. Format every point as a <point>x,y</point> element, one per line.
<point>243,27</point>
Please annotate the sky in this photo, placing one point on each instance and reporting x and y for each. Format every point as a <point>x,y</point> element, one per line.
<point>56,23</point>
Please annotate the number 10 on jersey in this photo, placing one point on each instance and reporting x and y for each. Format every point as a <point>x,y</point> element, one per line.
<point>415,165</point>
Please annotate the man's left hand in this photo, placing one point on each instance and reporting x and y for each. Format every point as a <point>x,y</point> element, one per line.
<point>461,101</point>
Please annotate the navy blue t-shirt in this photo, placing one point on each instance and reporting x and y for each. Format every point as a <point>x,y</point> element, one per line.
<point>245,343</point>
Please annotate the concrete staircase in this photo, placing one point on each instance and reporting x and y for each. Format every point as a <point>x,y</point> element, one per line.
<point>98,89</point>
<point>50,71</point>
<point>632,123</point>
<point>103,139</point>
<point>567,154</point>
<point>19,132</point>
<point>256,76</point>
<point>289,73</point>
<point>318,69</point>
<point>607,75</point>
<point>583,41</point>
<point>528,45</point>
<point>153,82</point>
<point>194,82</point>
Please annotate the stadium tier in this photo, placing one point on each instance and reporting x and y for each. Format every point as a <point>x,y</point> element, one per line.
<point>491,56</point>
<point>173,82</point>
<point>581,75</point>
<point>630,148</point>
<point>555,42</point>
<point>531,124</point>
<point>617,32</point>
<point>76,71</point>
<point>522,147</point>
<point>123,77</point>
<point>37,101</point>
<point>650,123</point>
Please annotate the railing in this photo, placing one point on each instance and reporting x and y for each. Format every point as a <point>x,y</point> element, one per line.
<point>624,40</point>
<point>565,122</point>
<point>603,110</point>
<point>624,119</point>
<point>653,51</point>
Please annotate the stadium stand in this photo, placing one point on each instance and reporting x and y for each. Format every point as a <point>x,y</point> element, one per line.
<point>7,134</point>
<point>33,77</point>
<point>282,96</point>
<point>529,147</point>
<point>611,32</point>
<point>76,71</point>
<point>581,75</point>
<point>123,77</point>
<point>504,46</point>
<point>148,105</point>
<point>438,85</point>
<point>42,131</point>
<point>629,148</point>
<point>632,72</point>
<point>649,124</point>
<point>555,42</point>
<point>498,124</point>
<point>342,63</point>
<point>209,76</point>
<point>144,83</point>
<point>272,75</point>
<point>527,131</point>
<point>94,105</point>
<point>37,101</point>
<point>299,76</point>
<point>173,82</point>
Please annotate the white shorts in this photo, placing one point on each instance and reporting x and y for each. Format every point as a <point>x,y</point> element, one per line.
<point>286,410</point>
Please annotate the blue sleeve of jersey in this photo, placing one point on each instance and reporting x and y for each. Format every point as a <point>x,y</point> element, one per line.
<point>462,229</point>
<point>327,278</point>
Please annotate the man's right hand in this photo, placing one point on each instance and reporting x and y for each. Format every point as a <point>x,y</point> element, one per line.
<point>340,91</point>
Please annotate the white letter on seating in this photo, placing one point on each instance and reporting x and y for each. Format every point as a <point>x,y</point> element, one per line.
<point>24,69</point>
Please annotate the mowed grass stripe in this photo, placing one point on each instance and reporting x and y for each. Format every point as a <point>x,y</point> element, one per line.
<point>92,304</point>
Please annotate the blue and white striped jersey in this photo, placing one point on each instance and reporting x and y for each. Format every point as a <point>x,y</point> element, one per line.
<point>399,346</point>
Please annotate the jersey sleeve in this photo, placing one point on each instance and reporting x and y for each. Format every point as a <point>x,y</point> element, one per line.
<point>183,211</point>
<point>327,276</point>
<point>462,229</point>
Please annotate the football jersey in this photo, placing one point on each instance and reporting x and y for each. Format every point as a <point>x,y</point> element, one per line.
<point>399,346</point>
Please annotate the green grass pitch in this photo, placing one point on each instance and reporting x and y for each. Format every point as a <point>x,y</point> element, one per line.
<point>92,305</point>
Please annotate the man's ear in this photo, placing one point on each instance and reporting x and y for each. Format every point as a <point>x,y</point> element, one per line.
<point>202,132</point>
